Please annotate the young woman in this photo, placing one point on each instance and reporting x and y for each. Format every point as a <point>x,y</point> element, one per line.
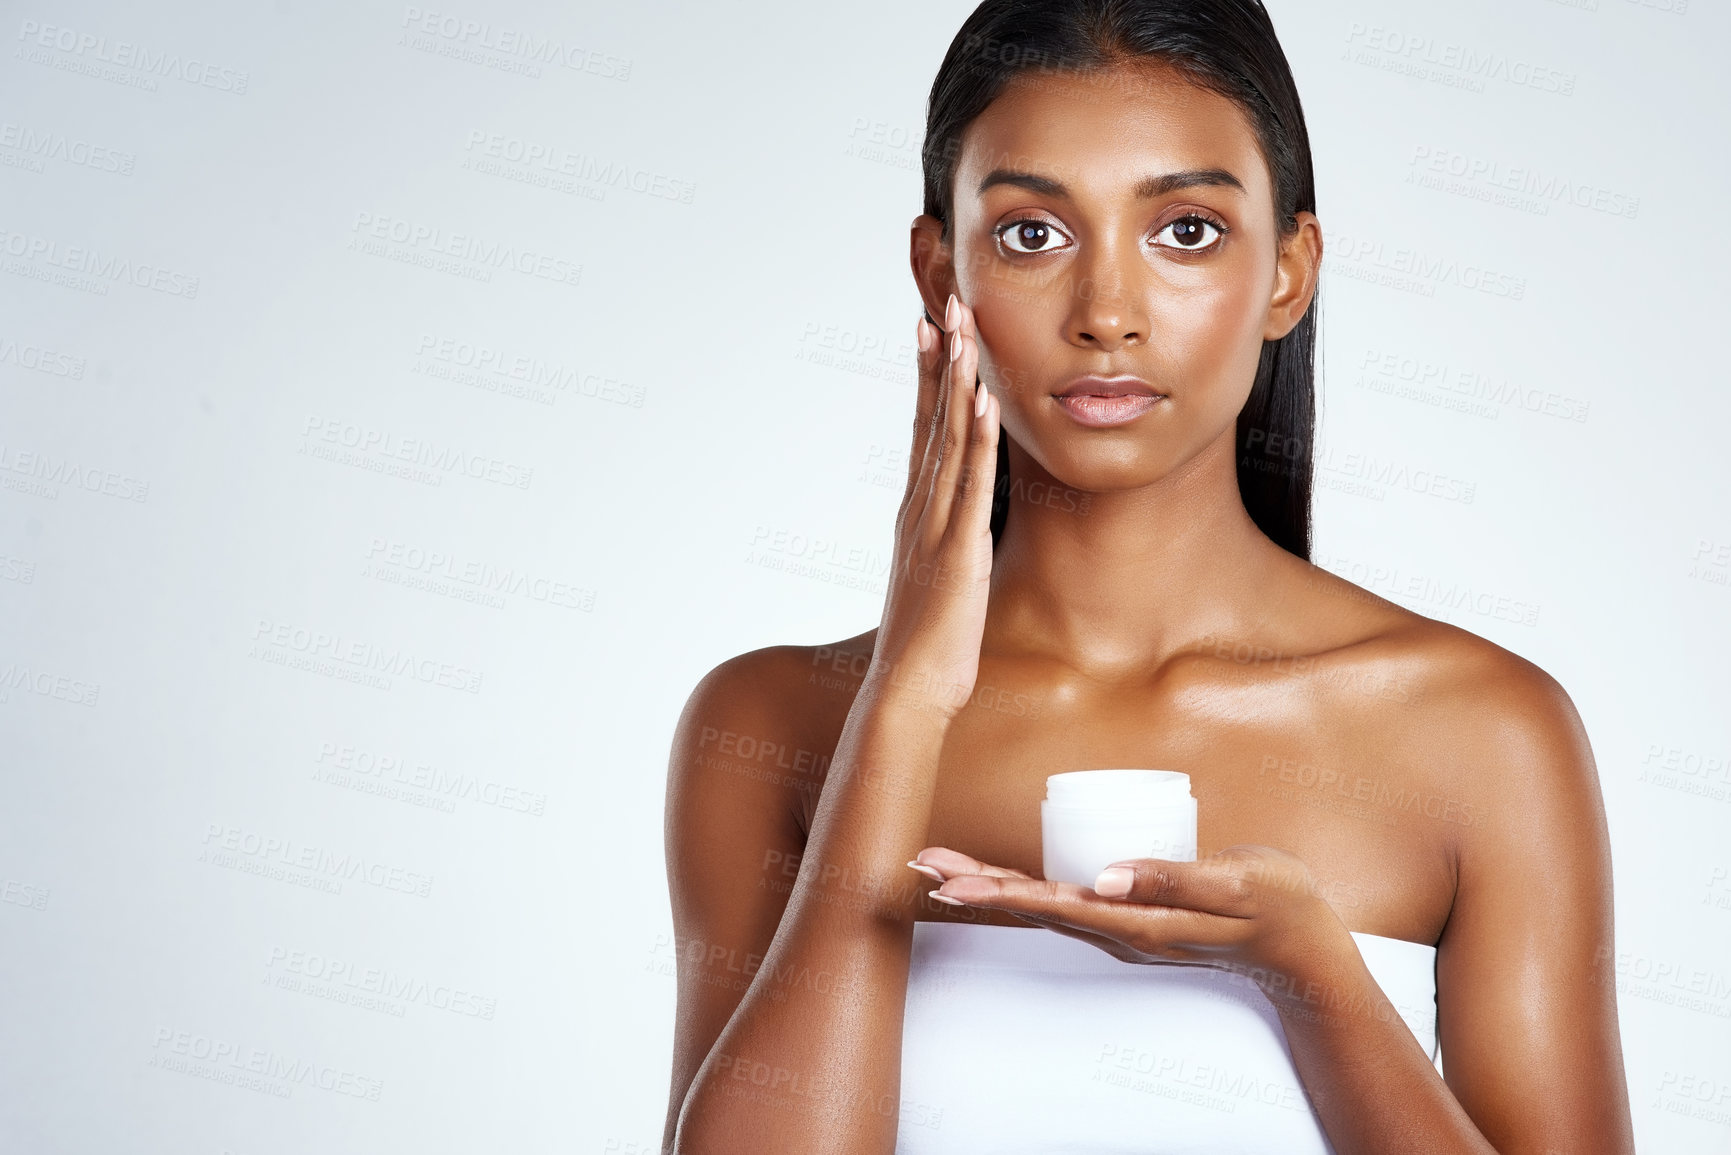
<point>1101,560</point>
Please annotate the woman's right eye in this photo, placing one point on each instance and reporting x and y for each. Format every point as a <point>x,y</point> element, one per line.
<point>1032,233</point>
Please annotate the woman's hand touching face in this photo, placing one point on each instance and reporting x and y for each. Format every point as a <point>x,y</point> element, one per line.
<point>1250,909</point>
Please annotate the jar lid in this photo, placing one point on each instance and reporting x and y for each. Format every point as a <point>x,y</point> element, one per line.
<point>1118,788</point>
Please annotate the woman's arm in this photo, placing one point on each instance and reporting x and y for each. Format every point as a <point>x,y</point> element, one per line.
<point>789,1039</point>
<point>1526,987</point>
<point>809,1061</point>
<point>1527,1012</point>
<point>731,834</point>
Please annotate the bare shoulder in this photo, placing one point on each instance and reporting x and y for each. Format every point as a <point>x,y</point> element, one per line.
<point>1438,666</point>
<point>1490,723</point>
<point>748,759</point>
<point>793,685</point>
<point>1510,714</point>
<point>770,716</point>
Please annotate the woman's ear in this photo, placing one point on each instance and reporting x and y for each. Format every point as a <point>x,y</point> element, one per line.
<point>1295,275</point>
<point>933,262</point>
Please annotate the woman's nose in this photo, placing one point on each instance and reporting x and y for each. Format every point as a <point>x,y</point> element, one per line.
<point>1106,309</point>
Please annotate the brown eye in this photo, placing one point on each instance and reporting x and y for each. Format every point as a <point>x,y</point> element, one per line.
<point>1193,233</point>
<point>1029,236</point>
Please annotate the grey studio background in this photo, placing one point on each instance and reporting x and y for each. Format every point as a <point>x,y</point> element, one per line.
<point>402,406</point>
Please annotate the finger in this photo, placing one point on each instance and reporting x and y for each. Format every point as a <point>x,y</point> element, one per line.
<point>1151,930</point>
<point>920,507</point>
<point>958,415</point>
<point>954,864</point>
<point>951,863</point>
<point>1122,951</point>
<point>1216,885</point>
<point>929,362</point>
<point>1111,946</point>
<point>928,357</point>
<point>972,514</point>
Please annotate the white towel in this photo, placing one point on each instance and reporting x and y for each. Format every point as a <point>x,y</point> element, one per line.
<point>1022,1041</point>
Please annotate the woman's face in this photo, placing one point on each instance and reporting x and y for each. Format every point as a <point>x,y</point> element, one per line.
<point>1119,223</point>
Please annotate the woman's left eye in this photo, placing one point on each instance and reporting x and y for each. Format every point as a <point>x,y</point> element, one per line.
<point>1192,233</point>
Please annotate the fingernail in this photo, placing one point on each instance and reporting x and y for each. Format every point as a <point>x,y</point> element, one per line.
<point>944,898</point>
<point>923,336</point>
<point>930,872</point>
<point>952,313</point>
<point>1114,882</point>
<point>955,345</point>
<point>980,399</point>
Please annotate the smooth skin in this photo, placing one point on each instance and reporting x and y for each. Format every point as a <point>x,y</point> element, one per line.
<point>1357,766</point>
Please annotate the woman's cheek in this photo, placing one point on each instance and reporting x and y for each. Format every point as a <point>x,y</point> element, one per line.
<point>1206,332</point>
<point>1003,362</point>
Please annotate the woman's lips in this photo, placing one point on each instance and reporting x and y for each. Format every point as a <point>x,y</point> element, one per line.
<point>1091,409</point>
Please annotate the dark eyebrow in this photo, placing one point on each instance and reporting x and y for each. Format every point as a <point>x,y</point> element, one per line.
<point>1147,187</point>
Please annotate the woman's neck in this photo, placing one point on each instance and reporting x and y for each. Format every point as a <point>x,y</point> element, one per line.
<point>1113,584</point>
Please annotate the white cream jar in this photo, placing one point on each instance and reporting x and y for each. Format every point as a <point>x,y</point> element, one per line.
<point>1090,819</point>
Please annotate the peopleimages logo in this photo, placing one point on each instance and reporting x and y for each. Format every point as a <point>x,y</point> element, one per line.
<point>316,860</point>
<point>556,160</point>
<point>480,575</point>
<point>430,241</point>
<point>86,46</point>
<point>416,451</point>
<point>1451,62</point>
<point>461,35</point>
<point>312,967</point>
<point>14,676</point>
<point>95,263</point>
<point>256,1068</point>
<point>50,471</point>
<point>41,145</point>
<point>1366,258</point>
<point>35,357</point>
<point>1544,188</point>
<point>514,373</point>
<point>281,642</point>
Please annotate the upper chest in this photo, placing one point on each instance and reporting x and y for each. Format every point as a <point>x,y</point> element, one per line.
<point>1325,772</point>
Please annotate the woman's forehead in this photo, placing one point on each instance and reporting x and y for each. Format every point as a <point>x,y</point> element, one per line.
<point>1102,131</point>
